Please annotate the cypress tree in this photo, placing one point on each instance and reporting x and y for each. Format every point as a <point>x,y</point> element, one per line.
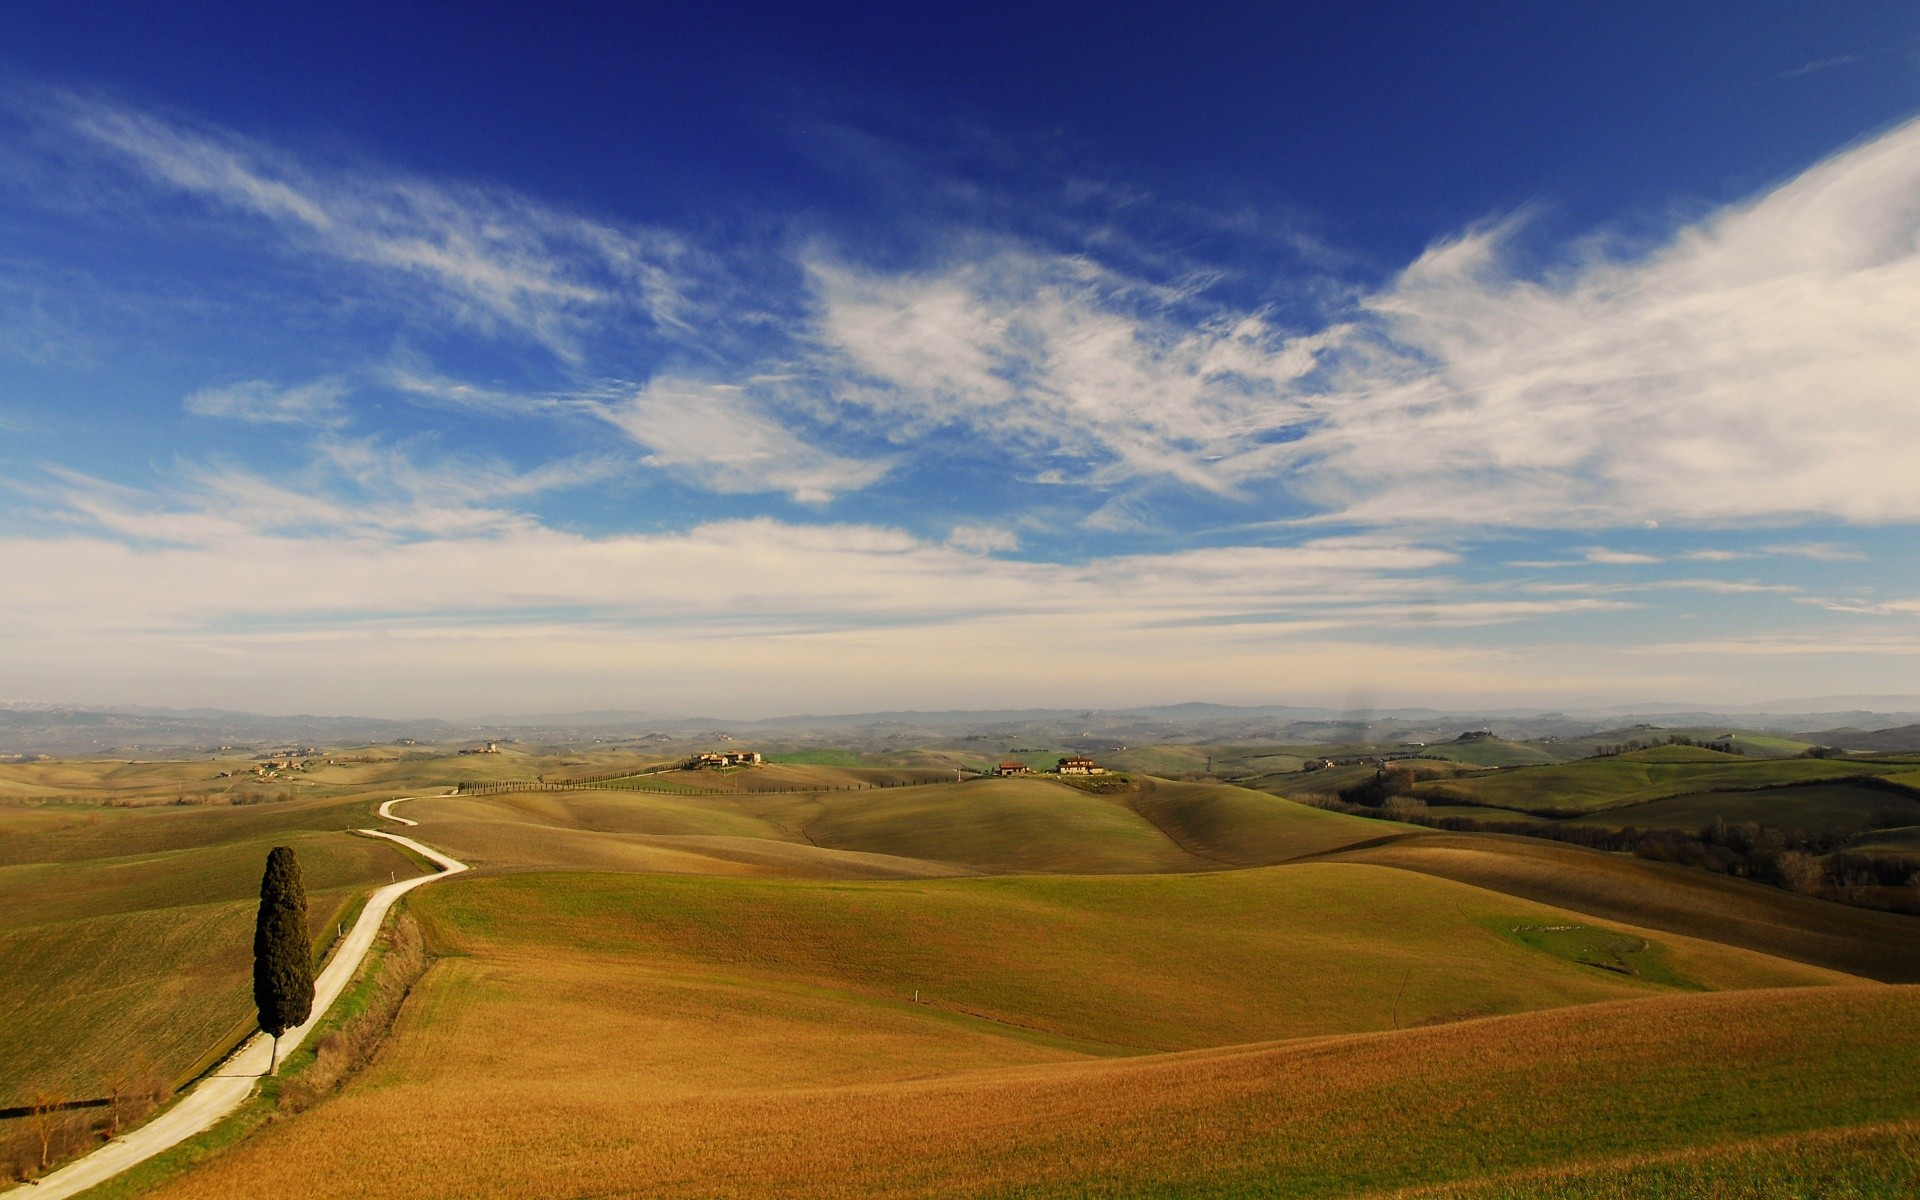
<point>282,953</point>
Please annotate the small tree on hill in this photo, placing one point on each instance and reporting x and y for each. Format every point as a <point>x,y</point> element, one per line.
<point>282,952</point>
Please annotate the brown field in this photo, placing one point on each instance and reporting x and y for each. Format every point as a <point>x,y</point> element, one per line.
<point>629,1075</point>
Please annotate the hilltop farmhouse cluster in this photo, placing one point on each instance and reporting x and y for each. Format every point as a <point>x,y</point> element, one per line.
<point>725,758</point>
<point>1071,765</point>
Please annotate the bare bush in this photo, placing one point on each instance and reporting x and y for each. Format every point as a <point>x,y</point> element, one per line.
<point>345,1050</point>
<point>1800,872</point>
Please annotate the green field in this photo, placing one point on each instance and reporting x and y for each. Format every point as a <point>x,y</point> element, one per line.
<point>1806,807</point>
<point>1879,1162</point>
<point>1593,785</point>
<point>1494,752</point>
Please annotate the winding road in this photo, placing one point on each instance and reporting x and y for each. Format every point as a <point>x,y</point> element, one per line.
<point>228,1085</point>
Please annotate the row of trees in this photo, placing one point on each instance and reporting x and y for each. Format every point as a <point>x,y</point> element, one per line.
<point>1724,745</point>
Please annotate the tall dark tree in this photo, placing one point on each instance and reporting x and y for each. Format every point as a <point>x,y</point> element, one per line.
<point>282,952</point>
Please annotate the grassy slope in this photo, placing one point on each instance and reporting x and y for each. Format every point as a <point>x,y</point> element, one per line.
<point>113,944</point>
<point>1875,1162</point>
<point>785,776</point>
<point>1234,826</point>
<point>992,825</point>
<point>1494,752</point>
<point>1001,824</point>
<point>627,831</point>
<point>1812,807</point>
<point>720,1037</point>
<point>1144,962</point>
<point>1661,896</point>
<point>1597,784</point>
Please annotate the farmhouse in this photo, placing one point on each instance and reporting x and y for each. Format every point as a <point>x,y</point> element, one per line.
<point>729,758</point>
<point>1013,767</point>
<point>490,748</point>
<point>1078,765</point>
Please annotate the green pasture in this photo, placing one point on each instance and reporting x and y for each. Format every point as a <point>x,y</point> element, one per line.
<point>1877,1162</point>
<point>1494,752</point>
<point>1810,807</point>
<point>1593,785</point>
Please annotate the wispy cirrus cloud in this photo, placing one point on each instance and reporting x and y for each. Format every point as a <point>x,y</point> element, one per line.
<point>258,401</point>
<point>485,256</point>
<point>719,436</point>
<point>1059,360</point>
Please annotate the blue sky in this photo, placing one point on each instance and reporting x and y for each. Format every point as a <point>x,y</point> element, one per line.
<point>767,360</point>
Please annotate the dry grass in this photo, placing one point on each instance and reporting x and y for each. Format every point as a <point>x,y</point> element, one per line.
<point>361,1019</point>
<point>1233,826</point>
<point>632,1076</point>
<point>994,825</point>
<point>1148,963</point>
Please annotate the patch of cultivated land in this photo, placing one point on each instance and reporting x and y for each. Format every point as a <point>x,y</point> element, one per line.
<point>1877,945</point>
<point>1879,1162</point>
<point>1493,752</point>
<point>1637,778</point>
<point>1810,807</point>
<point>129,931</point>
<point>706,1037</point>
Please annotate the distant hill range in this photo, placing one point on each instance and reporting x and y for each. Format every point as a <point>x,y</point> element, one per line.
<point>31,728</point>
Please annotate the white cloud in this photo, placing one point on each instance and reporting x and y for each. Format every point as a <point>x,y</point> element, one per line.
<point>486,256</point>
<point>717,435</point>
<point>1818,551</point>
<point>1056,358</point>
<point>1758,367</point>
<point>432,570</point>
<point>1619,558</point>
<point>983,539</point>
<point>259,401</point>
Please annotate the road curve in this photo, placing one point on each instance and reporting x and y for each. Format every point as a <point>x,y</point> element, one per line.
<point>230,1083</point>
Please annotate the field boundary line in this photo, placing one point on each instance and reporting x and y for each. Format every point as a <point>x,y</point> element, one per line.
<point>228,1085</point>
